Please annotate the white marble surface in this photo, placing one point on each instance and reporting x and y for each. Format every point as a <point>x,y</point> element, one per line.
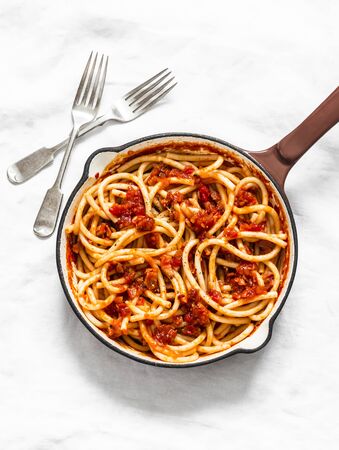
<point>248,72</point>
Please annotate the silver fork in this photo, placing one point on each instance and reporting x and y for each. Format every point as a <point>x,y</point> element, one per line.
<point>127,108</point>
<point>84,109</point>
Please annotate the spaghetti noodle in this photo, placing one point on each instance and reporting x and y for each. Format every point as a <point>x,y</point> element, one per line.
<point>177,255</point>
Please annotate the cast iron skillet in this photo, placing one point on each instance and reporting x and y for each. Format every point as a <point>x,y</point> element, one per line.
<point>273,165</point>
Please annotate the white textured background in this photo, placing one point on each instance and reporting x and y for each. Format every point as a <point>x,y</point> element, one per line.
<point>248,72</point>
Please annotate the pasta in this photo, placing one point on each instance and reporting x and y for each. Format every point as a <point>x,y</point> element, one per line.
<point>177,254</point>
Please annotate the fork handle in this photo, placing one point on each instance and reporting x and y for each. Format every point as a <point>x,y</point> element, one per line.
<point>30,165</point>
<point>47,217</point>
<point>27,167</point>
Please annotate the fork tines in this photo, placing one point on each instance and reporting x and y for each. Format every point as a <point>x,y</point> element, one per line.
<point>92,82</point>
<point>151,91</point>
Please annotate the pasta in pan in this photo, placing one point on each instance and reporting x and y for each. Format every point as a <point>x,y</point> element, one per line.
<point>177,255</point>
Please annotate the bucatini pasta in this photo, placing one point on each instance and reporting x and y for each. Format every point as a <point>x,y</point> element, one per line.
<point>177,255</point>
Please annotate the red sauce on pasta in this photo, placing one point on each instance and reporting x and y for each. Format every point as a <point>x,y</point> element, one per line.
<point>172,268</point>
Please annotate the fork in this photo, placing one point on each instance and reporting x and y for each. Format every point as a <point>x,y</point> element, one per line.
<point>84,109</point>
<point>127,108</point>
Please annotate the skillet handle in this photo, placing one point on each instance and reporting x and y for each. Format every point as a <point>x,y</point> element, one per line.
<point>279,159</point>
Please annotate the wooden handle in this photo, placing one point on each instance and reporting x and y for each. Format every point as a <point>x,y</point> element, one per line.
<point>279,158</point>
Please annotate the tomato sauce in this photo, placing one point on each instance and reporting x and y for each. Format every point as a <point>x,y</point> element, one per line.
<point>244,282</point>
<point>205,219</point>
<point>161,173</point>
<point>249,226</point>
<point>130,207</point>
<point>244,198</point>
<point>165,334</point>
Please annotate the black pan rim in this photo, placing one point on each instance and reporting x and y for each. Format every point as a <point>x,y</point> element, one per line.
<point>117,149</point>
